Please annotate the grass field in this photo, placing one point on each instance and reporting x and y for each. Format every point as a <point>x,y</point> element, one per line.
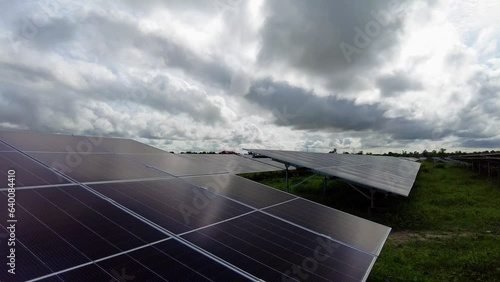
<point>446,230</point>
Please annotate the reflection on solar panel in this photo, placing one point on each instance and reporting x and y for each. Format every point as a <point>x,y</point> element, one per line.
<point>125,146</point>
<point>232,163</point>
<point>97,167</point>
<point>385,173</point>
<point>241,189</point>
<point>196,164</point>
<point>31,141</point>
<point>121,211</point>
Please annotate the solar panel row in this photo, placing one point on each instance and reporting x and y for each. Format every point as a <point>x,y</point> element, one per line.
<point>385,173</point>
<point>170,228</point>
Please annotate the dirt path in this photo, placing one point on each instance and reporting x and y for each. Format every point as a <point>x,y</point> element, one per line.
<point>405,236</point>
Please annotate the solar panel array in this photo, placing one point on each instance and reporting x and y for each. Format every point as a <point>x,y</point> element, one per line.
<point>104,209</point>
<point>385,173</point>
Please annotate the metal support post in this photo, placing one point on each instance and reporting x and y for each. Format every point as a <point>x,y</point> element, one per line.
<point>324,185</point>
<point>372,198</point>
<point>286,175</point>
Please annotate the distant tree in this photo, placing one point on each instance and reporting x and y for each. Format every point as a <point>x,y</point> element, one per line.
<point>359,153</point>
<point>442,152</point>
<point>346,153</point>
<point>334,151</point>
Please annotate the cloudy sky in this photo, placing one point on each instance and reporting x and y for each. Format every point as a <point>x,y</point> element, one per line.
<point>281,74</point>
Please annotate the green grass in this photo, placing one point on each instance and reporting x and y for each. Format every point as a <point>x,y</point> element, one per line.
<point>446,230</point>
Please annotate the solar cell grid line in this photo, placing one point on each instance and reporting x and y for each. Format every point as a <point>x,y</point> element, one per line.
<point>56,252</point>
<point>172,203</point>
<point>96,167</point>
<point>90,225</point>
<point>336,224</point>
<point>183,265</point>
<point>23,257</point>
<point>271,248</point>
<point>32,236</point>
<point>27,171</point>
<point>84,265</point>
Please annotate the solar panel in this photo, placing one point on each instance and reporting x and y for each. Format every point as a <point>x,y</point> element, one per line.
<point>274,250</point>
<point>385,173</point>
<point>338,225</point>
<point>172,203</point>
<point>27,171</point>
<point>242,190</point>
<point>97,167</point>
<point>56,230</point>
<point>123,218</point>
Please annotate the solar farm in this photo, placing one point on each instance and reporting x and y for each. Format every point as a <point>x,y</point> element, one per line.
<point>105,209</point>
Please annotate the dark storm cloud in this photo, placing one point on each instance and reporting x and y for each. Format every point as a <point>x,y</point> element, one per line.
<point>296,107</point>
<point>337,40</point>
<point>393,84</point>
<point>301,109</point>
<point>208,70</point>
<point>481,143</point>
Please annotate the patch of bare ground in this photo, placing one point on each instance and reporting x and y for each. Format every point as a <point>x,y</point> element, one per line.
<point>405,236</point>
